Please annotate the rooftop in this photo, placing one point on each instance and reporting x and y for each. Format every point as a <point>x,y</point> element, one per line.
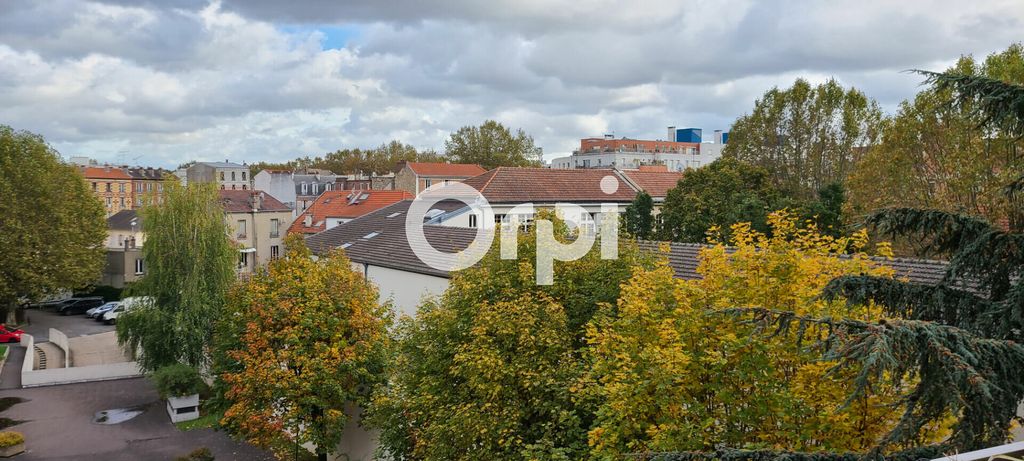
<point>122,220</point>
<point>655,183</point>
<point>241,201</point>
<point>547,185</point>
<point>104,172</point>
<point>449,170</point>
<point>222,164</point>
<point>344,204</point>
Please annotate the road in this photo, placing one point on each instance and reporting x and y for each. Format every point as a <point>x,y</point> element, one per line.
<point>40,322</point>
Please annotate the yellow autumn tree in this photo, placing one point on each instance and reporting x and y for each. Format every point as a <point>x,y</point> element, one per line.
<point>674,370</point>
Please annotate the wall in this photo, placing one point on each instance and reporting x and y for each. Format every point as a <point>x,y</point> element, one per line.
<point>405,289</point>
<point>405,180</point>
<point>61,340</point>
<point>54,376</point>
<point>279,186</point>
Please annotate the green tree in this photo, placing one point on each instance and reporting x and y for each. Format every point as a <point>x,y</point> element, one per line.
<point>953,348</point>
<point>312,341</point>
<point>826,212</point>
<point>190,265</point>
<point>491,145</point>
<point>716,196</point>
<point>53,227</point>
<point>639,217</point>
<point>806,136</point>
<point>490,369</point>
<point>938,153</point>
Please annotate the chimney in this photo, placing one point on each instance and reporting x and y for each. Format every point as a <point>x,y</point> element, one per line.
<point>308,220</point>
<point>671,134</point>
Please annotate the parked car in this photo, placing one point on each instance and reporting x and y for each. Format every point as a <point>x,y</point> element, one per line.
<point>96,312</point>
<point>125,305</point>
<point>9,336</point>
<point>79,305</point>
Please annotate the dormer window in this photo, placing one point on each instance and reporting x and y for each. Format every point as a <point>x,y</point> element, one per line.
<point>305,188</point>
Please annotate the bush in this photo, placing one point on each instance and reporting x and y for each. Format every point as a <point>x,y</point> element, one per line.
<point>10,439</point>
<point>108,293</point>
<point>177,380</point>
<point>199,454</point>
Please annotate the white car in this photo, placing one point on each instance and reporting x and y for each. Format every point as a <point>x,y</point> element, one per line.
<point>125,305</point>
<point>99,310</point>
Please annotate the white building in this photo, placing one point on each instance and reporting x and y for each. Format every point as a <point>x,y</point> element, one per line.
<point>227,175</point>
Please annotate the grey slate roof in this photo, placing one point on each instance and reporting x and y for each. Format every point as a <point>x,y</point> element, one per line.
<point>391,249</point>
<point>122,220</point>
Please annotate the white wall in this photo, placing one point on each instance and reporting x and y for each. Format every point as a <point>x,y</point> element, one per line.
<point>54,376</point>
<point>61,340</point>
<point>404,289</point>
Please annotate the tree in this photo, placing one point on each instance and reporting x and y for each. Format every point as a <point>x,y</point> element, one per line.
<point>53,228</point>
<point>675,371</point>
<point>716,196</point>
<point>826,212</point>
<point>639,217</point>
<point>490,370</point>
<point>939,153</point>
<point>190,265</point>
<point>806,136</point>
<point>953,348</point>
<point>312,338</point>
<point>492,145</point>
<point>380,160</point>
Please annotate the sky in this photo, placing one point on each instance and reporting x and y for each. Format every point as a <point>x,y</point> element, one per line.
<point>158,83</point>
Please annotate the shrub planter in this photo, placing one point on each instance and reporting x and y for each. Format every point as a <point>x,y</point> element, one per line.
<point>11,443</point>
<point>183,408</point>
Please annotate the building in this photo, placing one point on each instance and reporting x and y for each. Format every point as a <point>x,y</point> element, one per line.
<point>111,185</point>
<point>227,175</point>
<point>414,177</point>
<point>340,206</point>
<point>682,150</point>
<point>125,238</point>
<point>147,185</point>
<point>656,180</point>
<point>257,222</point>
<point>296,189</point>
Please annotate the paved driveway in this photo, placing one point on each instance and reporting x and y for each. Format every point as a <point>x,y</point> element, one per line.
<point>59,425</point>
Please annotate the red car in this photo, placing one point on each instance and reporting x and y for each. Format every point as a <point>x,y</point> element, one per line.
<point>9,336</point>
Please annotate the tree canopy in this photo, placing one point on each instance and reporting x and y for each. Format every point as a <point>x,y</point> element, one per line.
<point>190,265</point>
<point>491,145</point>
<point>638,220</point>
<point>716,196</point>
<point>806,137</point>
<point>491,369</point>
<point>379,160</point>
<point>310,343</point>
<point>940,152</point>
<point>53,226</point>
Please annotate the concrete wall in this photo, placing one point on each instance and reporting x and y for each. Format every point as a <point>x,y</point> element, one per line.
<point>54,376</point>
<point>405,180</point>
<point>61,340</point>
<point>279,186</point>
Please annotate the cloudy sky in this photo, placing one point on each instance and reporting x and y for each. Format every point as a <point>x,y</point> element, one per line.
<point>161,82</point>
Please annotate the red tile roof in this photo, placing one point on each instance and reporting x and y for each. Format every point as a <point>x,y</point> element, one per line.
<point>240,201</point>
<point>655,183</point>
<point>450,170</point>
<point>347,204</point>
<point>103,172</point>
<point>547,185</point>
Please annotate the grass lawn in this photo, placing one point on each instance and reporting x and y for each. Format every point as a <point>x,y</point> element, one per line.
<point>204,421</point>
<point>3,349</point>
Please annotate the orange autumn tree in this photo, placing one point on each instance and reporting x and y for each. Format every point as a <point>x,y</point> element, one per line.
<point>674,371</point>
<point>309,341</point>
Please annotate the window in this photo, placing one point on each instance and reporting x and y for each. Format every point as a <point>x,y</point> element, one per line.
<point>232,175</point>
<point>472,220</point>
<point>120,187</point>
<point>138,201</point>
<point>221,175</point>
<point>149,187</point>
<point>327,186</point>
<point>122,202</point>
<point>159,187</point>
<point>138,187</point>
<point>305,189</point>
<point>109,202</point>
<point>274,252</point>
<point>316,189</point>
<point>275,228</point>
<point>221,187</point>
<point>234,186</point>
<point>241,228</point>
<point>244,187</point>
<point>108,187</point>
<point>243,176</point>
<point>94,186</point>
<point>139,268</point>
<point>426,183</point>
<point>243,260</point>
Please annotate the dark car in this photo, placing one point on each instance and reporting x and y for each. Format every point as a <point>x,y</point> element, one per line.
<point>79,305</point>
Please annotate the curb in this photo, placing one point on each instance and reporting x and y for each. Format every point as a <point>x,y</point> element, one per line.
<point>3,361</point>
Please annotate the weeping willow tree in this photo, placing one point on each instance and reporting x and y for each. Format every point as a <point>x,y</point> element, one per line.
<point>189,268</point>
<point>954,349</point>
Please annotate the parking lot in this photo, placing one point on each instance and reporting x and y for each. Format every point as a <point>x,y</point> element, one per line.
<point>40,321</point>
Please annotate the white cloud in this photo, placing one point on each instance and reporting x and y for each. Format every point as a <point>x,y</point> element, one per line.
<point>172,81</point>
